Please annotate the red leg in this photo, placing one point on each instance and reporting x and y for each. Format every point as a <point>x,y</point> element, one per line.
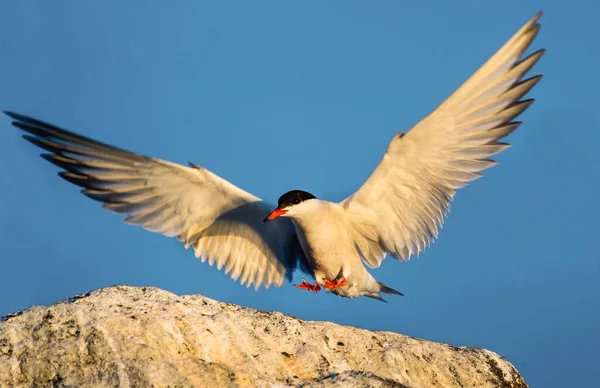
<point>307,286</point>
<point>333,284</point>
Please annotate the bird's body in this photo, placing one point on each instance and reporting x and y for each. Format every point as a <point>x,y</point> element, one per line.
<point>322,229</point>
<point>397,211</point>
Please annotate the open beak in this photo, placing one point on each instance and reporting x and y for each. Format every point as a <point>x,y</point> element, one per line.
<point>274,214</point>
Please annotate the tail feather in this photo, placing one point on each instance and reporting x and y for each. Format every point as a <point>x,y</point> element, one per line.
<point>383,289</point>
<point>376,296</point>
<point>388,290</point>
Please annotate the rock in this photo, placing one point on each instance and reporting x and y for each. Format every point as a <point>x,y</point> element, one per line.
<point>140,337</point>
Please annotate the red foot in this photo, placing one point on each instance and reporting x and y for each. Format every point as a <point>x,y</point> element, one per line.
<point>307,286</point>
<point>333,284</point>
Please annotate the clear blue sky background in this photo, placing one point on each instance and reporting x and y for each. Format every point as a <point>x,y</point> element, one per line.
<point>279,95</point>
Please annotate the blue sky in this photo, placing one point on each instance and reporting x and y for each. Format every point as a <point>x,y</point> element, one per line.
<point>276,96</point>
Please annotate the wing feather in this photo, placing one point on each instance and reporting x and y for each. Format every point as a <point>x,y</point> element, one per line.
<point>406,198</point>
<point>220,221</point>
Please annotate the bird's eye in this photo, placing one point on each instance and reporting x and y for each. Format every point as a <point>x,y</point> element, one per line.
<point>296,201</point>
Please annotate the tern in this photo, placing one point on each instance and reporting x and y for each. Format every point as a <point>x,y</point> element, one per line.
<point>397,211</point>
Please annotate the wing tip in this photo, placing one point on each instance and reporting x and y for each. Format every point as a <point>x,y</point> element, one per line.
<point>76,179</point>
<point>527,102</point>
<point>26,123</point>
<point>533,23</point>
<point>533,57</point>
<point>539,52</point>
<point>17,116</point>
<point>537,78</point>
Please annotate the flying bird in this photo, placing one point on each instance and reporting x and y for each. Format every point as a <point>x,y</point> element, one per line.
<point>397,211</point>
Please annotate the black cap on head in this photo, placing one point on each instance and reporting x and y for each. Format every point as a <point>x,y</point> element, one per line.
<point>293,197</point>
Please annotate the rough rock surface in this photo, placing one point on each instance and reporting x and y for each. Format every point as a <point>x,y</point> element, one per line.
<point>141,337</point>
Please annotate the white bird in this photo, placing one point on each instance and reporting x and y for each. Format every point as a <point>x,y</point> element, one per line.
<point>398,210</point>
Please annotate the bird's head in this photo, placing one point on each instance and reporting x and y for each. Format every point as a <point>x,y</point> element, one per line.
<point>289,203</point>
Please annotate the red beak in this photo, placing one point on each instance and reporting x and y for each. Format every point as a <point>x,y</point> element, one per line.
<point>274,214</point>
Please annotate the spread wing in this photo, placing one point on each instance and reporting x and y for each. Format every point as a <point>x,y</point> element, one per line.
<point>222,222</point>
<point>401,206</point>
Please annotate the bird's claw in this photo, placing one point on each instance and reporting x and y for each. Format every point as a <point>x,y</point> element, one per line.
<point>333,284</point>
<point>307,286</point>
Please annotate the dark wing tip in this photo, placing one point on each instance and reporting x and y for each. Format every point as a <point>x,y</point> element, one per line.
<point>13,115</point>
<point>537,78</point>
<point>76,179</point>
<point>25,120</point>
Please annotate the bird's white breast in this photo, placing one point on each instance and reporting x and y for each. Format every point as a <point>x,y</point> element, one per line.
<point>322,232</point>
